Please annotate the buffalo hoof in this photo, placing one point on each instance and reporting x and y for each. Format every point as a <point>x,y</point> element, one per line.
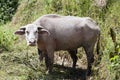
<point>48,72</point>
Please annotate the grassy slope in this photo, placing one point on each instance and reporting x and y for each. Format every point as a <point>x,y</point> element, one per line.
<point>21,63</point>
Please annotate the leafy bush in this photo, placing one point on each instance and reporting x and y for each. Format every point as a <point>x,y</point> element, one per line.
<point>7,10</point>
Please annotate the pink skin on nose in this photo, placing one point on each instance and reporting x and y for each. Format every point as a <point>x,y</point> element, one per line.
<point>32,43</point>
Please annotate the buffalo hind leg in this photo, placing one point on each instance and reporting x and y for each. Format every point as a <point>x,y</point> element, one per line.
<point>90,57</point>
<point>73,56</point>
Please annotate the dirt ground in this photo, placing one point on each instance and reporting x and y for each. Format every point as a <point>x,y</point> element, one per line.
<point>63,61</point>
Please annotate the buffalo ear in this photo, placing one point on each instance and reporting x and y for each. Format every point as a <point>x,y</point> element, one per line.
<point>21,31</point>
<point>41,30</point>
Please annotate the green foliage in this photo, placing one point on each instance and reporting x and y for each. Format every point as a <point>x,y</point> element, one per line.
<point>6,38</point>
<point>115,67</point>
<point>7,10</point>
<point>66,7</point>
<point>28,11</point>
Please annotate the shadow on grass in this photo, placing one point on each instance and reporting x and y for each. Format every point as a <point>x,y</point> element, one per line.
<point>61,72</point>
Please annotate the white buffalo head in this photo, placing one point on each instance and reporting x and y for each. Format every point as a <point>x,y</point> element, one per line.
<point>31,32</point>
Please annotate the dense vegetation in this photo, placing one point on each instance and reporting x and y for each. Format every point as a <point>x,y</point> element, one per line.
<point>16,63</point>
<point>7,10</point>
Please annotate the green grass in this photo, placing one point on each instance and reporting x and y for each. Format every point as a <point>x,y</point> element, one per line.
<point>25,65</point>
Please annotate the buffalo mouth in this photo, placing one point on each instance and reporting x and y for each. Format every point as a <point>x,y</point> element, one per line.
<point>31,44</point>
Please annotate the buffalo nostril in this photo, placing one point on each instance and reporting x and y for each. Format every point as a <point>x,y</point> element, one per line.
<point>32,41</point>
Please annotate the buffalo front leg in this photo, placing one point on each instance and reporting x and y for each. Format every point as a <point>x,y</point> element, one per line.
<point>41,54</point>
<point>73,56</point>
<point>90,57</point>
<point>49,59</point>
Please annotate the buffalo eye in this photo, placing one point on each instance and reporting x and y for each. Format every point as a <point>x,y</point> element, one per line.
<point>36,32</point>
<point>27,32</point>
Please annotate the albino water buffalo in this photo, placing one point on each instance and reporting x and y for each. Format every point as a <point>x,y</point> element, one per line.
<point>53,32</point>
